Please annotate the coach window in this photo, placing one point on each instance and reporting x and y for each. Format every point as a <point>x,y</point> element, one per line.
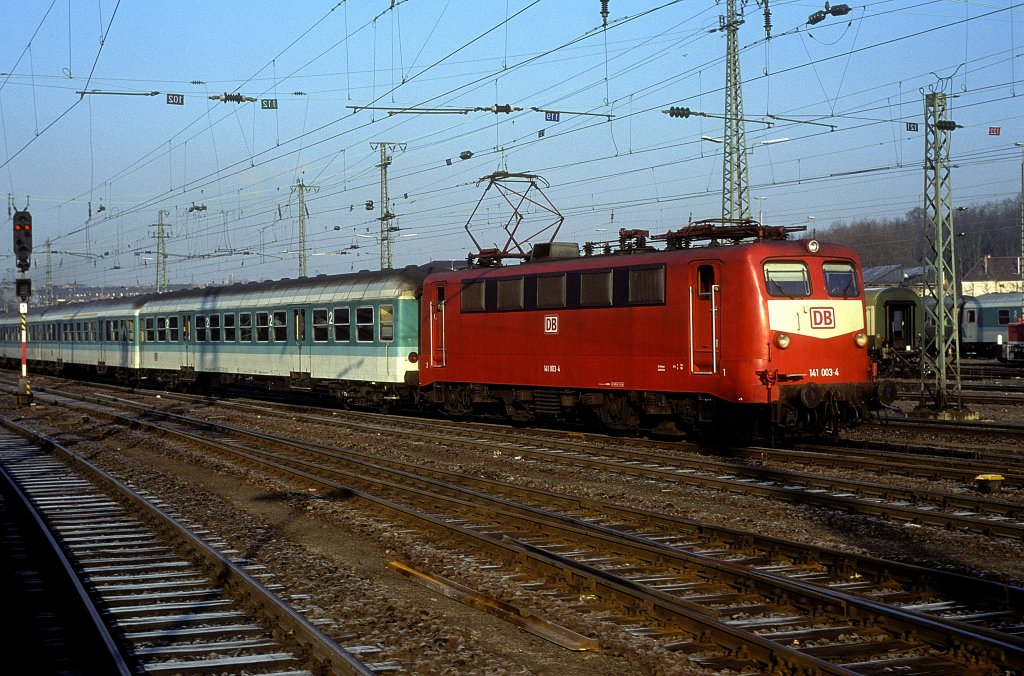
<point>200,328</point>
<point>342,325</point>
<point>320,325</point>
<point>150,333</point>
<point>510,294</point>
<point>786,279</point>
<point>364,324</point>
<point>1004,317</point>
<point>473,296</point>
<point>245,327</point>
<point>229,327</point>
<point>551,292</point>
<point>172,328</point>
<point>161,329</point>
<point>387,322</point>
<point>128,331</point>
<point>646,286</point>
<point>840,280</point>
<point>280,326</point>
<point>971,317</point>
<point>262,327</point>
<point>213,325</point>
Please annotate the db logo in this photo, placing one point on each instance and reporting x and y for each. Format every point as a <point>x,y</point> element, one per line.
<point>551,324</point>
<point>823,318</point>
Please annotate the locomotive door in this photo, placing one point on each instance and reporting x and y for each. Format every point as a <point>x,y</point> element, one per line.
<point>705,299</point>
<point>303,362</point>
<point>438,354</point>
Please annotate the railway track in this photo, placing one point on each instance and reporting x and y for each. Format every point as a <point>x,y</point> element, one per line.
<point>169,602</point>
<point>688,598</point>
<point>964,510</point>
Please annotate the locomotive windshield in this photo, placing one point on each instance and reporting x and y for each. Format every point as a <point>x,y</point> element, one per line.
<point>840,280</point>
<point>788,279</point>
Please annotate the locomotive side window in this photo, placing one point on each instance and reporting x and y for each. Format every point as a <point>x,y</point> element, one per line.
<point>280,326</point>
<point>342,325</point>
<point>364,324</point>
<point>646,286</point>
<point>510,294</point>
<point>229,327</point>
<point>551,292</point>
<point>840,280</point>
<point>387,322</point>
<point>320,324</point>
<point>785,279</point>
<point>705,281</point>
<point>596,288</point>
<point>245,327</point>
<point>473,296</point>
<point>262,327</point>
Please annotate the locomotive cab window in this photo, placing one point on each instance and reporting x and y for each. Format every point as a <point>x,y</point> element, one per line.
<point>841,280</point>
<point>705,281</point>
<point>786,279</point>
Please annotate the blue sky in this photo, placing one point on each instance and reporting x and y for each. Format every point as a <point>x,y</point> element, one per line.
<point>96,170</point>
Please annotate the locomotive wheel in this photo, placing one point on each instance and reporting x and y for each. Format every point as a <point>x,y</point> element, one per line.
<point>620,412</point>
<point>457,403</point>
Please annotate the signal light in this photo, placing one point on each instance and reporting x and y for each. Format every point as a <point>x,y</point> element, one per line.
<point>23,239</point>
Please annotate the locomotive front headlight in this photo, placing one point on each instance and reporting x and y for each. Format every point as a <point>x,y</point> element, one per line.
<point>782,340</point>
<point>861,339</point>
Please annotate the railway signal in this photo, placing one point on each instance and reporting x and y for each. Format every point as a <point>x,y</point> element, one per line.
<point>23,239</point>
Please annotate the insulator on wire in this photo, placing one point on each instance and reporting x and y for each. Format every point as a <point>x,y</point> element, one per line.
<point>604,13</point>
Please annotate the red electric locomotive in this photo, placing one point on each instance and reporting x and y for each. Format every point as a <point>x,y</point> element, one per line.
<point>750,338</point>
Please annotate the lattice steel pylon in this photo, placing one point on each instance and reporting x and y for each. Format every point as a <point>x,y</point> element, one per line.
<point>386,217</point>
<point>161,253</point>
<point>940,356</point>
<point>735,187</point>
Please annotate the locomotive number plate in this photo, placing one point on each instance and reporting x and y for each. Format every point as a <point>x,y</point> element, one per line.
<point>823,373</point>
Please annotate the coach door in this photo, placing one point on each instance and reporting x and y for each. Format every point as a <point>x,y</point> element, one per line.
<point>188,360</point>
<point>705,300</point>
<point>438,354</point>
<point>303,363</point>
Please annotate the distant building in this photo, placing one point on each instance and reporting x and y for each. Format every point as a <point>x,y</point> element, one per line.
<point>993,274</point>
